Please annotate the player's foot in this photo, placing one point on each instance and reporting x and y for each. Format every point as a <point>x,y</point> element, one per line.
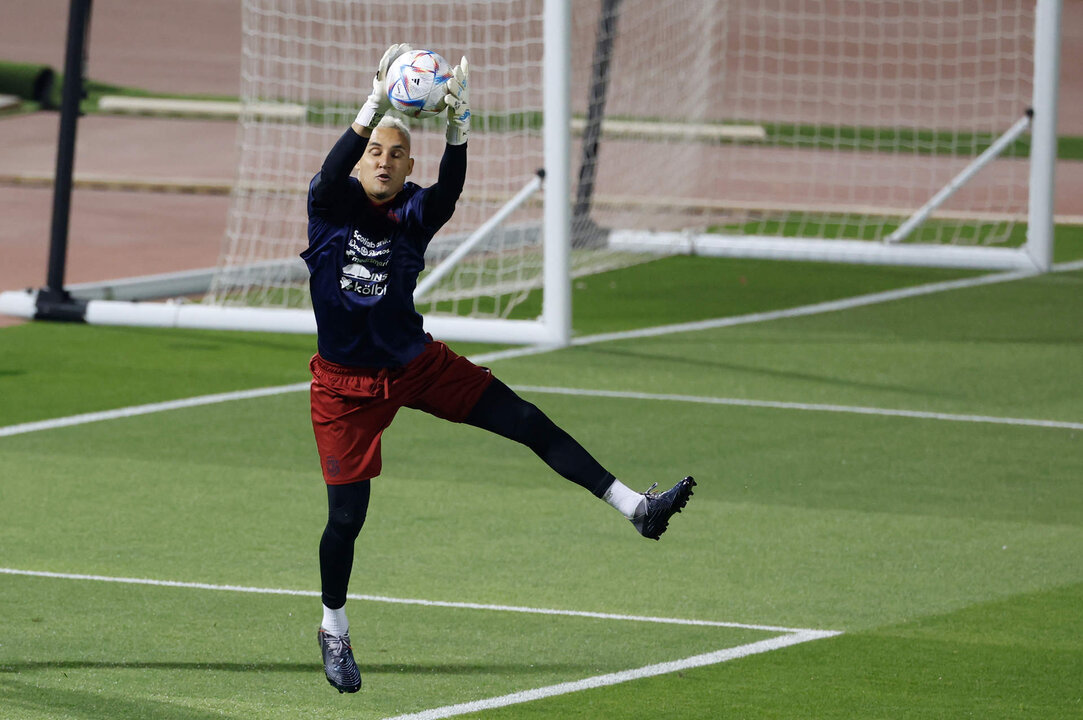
<point>656,509</point>
<point>338,662</point>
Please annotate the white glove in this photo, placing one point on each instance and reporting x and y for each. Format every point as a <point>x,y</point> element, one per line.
<point>377,103</point>
<point>458,105</point>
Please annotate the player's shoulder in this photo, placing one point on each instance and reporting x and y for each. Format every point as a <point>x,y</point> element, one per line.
<point>320,185</point>
<point>410,194</point>
<point>333,202</point>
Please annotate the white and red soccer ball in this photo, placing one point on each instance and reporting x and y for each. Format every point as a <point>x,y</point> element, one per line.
<point>417,83</point>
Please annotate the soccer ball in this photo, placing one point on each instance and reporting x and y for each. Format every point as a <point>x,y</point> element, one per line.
<point>416,83</point>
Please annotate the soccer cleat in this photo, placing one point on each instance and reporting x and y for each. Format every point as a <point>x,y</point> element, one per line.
<point>652,516</point>
<point>338,662</point>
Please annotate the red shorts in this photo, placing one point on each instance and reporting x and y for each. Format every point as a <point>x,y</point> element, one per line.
<point>351,406</point>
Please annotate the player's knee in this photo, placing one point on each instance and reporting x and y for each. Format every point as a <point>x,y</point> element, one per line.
<point>347,521</point>
<point>347,508</point>
<point>532,426</point>
<point>503,412</point>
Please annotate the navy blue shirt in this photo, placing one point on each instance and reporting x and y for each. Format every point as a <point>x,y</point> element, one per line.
<point>364,259</point>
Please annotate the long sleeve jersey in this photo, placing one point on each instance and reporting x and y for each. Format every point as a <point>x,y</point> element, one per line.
<point>364,259</point>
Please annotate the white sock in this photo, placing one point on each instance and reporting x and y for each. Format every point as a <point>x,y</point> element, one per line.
<point>623,499</point>
<point>334,621</point>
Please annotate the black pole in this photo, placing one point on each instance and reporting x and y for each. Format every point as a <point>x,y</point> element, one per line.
<point>53,301</point>
<point>585,233</point>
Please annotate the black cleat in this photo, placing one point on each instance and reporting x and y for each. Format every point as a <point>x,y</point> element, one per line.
<point>656,509</point>
<point>338,662</point>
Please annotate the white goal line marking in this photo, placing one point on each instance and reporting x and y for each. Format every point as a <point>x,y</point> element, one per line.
<point>404,601</point>
<point>812,407</point>
<point>790,636</point>
<point>831,306</point>
<point>137,410</point>
<point>598,681</point>
<point>801,311</point>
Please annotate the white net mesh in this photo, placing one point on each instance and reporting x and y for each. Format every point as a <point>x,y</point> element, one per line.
<point>321,56</point>
<point>818,118</point>
<point>813,118</point>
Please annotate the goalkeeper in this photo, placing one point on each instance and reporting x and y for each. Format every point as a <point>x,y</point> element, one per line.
<point>367,239</point>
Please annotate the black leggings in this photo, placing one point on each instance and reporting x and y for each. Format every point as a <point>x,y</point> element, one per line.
<point>347,506</point>
<point>499,410</point>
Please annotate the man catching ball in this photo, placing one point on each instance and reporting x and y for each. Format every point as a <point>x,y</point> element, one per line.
<point>367,239</point>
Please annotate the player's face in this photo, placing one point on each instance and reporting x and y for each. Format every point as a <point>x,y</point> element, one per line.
<point>385,165</point>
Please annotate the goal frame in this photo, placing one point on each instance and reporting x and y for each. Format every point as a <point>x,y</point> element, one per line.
<point>1034,255</point>
<point>553,326</point>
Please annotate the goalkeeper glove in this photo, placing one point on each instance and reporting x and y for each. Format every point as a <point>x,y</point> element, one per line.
<point>377,104</point>
<point>458,105</point>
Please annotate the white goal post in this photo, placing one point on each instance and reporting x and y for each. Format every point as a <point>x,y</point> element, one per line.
<point>918,132</point>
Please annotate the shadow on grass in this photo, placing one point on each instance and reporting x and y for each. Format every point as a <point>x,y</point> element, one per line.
<point>309,667</point>
<point>22,697</point>
<point>23,700</point>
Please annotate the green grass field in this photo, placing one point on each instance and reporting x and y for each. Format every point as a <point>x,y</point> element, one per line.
<point>946,549</point>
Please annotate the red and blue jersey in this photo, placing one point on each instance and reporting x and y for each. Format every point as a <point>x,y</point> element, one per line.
<point>364,259</point>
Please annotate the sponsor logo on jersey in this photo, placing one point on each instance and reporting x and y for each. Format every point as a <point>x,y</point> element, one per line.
<point>365,271</point>
<point>364,289</point>
<point>357,271</point>
<point>373,254</point>
<point>359,238</point>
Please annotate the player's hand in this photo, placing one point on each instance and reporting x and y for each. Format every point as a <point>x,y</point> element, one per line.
<point>377,104</point>
<point>390,55</point>
<point>458,104</point>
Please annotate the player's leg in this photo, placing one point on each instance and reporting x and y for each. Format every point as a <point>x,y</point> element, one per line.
<point>347,507</point>
<point>350,411</point>
<point>452,387</point>
<point>449,386</point>
<point>502,411</point>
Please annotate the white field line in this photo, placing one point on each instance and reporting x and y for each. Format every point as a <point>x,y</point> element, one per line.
<point>581,392</point>
<point>148,409</point>
<point>789,636</point>
<point>812,407</point>
<point>832,306</point>
<point>1068,266</point>
<point>815,309</point>
<point>711,658</point>
<point>403,601</point>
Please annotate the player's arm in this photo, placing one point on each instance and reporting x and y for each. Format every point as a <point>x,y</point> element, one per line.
<point>457,100</point>
<point>441,198</point>
<point>440,203</point>
<point>347,151</point>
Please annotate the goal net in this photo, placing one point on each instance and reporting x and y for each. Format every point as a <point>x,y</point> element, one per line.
<point>854,130</point>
